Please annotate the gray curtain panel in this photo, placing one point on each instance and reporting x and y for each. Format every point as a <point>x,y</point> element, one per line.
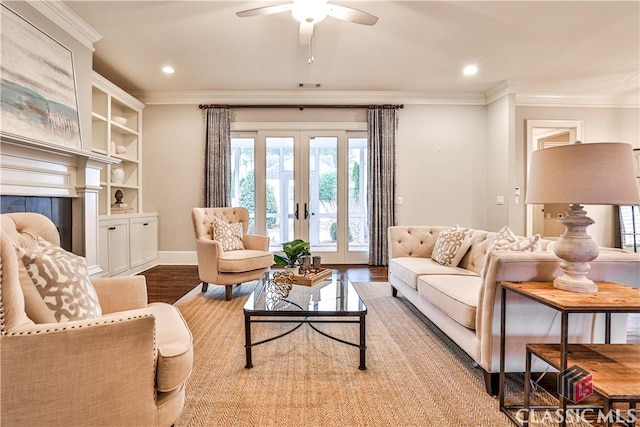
<point>382,129</point>
<point>217,160</point>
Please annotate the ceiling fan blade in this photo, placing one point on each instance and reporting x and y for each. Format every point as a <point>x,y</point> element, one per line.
<point>305,33</point>
<point>351,15</point>
<point>267,10</point>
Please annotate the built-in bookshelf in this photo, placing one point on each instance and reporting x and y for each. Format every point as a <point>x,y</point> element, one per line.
<point>117,132</point>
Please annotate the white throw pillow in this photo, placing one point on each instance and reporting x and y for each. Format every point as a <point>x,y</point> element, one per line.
<point>56,285</point>
<point>451,246</point>
<point>506,240</point>
<point>228,234</point>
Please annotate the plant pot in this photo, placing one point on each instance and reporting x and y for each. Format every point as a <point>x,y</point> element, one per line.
<point>295,270</point>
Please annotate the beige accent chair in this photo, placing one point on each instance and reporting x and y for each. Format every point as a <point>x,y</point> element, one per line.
<point>228,268</point>
<point>126,368</point>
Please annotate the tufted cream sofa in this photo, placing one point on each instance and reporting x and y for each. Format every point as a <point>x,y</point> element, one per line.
<point>128,367</point>
<point>464,301</point>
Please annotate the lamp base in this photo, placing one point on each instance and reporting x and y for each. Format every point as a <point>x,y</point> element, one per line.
<point>576,248</point>
<point>575,284</point>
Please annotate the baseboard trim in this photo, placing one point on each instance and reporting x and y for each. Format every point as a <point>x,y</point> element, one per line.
<point>177,258</point>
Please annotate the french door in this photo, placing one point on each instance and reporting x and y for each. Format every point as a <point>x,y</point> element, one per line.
<point>305,184</point>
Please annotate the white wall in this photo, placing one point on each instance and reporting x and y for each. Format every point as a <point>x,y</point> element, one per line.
<point>440,158</point>
<point>441,165</point>
<point>173,171</point>
<point>452,161</point>
<point>600,125</point>
<point>499,160</point>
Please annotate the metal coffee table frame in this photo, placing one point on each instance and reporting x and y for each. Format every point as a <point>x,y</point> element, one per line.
<point>343,313</point>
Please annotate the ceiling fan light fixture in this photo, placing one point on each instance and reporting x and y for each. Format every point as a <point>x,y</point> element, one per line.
<point>309,11</point>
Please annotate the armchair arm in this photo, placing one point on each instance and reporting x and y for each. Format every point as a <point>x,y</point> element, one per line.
<point>208,252</point>
<point>98,372</point>
<point>256,242</point>
<point>121,293</point>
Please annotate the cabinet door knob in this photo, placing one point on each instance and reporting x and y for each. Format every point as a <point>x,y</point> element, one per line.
<point>145,223</point>
<point>112,228</point>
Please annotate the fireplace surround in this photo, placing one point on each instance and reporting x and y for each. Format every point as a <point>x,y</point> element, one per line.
<point>45,178</point>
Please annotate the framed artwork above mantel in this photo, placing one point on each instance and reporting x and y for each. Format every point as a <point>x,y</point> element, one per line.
<point>39,103</point>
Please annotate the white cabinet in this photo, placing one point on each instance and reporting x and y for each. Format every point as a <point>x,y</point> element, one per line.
<point>113,248</point>
<point>128,243</point>
<point>116,131</point>
<point>143,235</point>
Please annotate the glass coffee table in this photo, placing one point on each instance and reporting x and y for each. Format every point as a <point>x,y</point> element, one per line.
<point>333,300</point>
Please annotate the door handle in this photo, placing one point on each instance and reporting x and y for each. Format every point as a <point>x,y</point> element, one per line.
<point>306,211</point>
<point>297,213</point>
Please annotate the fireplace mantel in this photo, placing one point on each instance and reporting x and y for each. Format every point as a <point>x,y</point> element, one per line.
<point>32,168</point>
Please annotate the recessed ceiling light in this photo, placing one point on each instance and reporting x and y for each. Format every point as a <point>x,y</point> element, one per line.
<point>470,70</point>
<point>168,69</point>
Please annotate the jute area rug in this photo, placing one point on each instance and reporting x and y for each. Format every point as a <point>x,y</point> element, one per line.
<point>415,375</point>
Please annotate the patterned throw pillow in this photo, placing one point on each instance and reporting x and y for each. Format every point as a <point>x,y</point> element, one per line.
<point>506,240</point>
<point>63,291</point>
<point>451,246</point>
<point>229,235</point>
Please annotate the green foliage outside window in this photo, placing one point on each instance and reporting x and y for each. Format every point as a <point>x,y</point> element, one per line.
<point>248,200</point>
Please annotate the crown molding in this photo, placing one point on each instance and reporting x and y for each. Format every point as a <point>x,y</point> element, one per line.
<point>498,91</point>
<point>536,100</point>
<point>67,20</point>
<point>308,97</point>
<point>407,98</point>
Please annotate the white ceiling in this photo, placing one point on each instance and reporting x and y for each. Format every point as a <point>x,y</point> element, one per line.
<point>550,48</point>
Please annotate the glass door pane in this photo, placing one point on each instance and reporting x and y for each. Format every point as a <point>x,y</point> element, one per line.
<point>243,177</point>
<point>280,190</point>
<point>358,232</point>
<point>323,194</point>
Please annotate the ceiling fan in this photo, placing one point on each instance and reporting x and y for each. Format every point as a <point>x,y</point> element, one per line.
<point>310,12</point>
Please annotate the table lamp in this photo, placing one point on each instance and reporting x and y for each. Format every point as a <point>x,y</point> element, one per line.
<point>581,174</point>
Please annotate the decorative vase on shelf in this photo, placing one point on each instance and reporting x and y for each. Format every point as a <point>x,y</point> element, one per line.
<point>117,175</point>
<point>121,149</point>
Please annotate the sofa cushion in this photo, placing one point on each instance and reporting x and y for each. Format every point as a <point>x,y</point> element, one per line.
<point>56,284</point>
<point>451,245</point>
<point>228,234</point>
<point>409,269</point>
<point>244,260</point>
<point>456,296</point>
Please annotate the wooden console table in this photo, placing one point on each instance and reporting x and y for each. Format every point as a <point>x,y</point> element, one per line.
<point>616,365</point>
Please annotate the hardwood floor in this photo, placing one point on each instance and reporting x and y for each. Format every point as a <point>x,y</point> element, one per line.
<point>167,283</point>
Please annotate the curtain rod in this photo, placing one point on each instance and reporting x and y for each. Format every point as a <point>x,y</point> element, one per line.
<point>300,107</point>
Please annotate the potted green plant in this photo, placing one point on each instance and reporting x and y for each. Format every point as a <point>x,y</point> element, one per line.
<point>291,252</point>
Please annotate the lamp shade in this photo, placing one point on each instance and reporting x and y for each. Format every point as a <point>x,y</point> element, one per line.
<point>590,174</point>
